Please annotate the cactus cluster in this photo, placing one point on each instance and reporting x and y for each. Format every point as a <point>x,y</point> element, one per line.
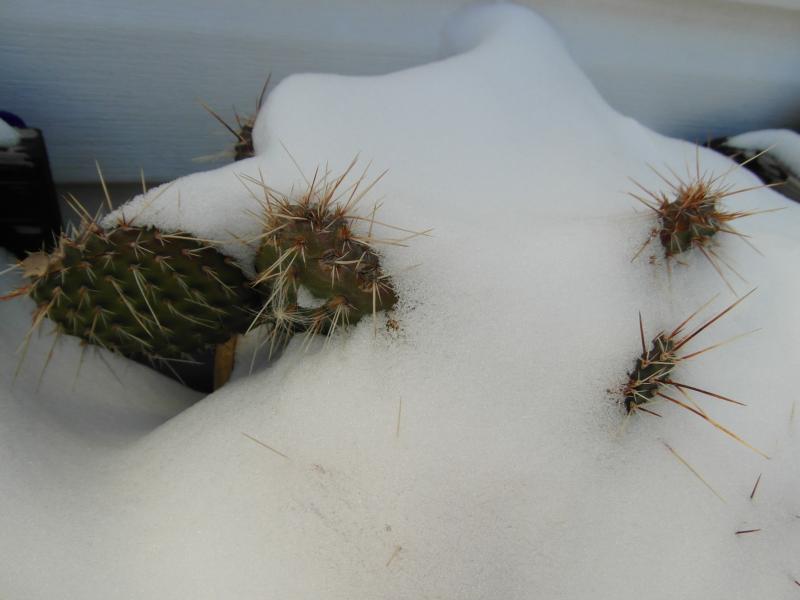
<point>311,243</point>
<point>689,215</point>
<point>158,296</point>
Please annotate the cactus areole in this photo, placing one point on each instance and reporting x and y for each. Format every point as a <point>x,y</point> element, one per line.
<point>140,292</point>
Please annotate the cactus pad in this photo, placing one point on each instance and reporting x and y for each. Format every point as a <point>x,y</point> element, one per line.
<point>311,242</point>
<point>690,215</point>
<point>650,372</point>
<point>140,292</point>
<point>651,377</point>
<point>243,132</point>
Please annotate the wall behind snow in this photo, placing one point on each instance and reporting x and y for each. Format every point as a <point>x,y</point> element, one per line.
<point>119,80</point>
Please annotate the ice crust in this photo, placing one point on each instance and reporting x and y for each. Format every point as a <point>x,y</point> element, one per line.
<point>476,453</point>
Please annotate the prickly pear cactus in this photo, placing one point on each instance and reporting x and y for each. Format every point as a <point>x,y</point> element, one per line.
<point>653,365</point>
<point>243,148</point>
<point>140,292</point>
<point>652,377</point>
<point>243,132</point>
<point>311,243</point>
<point>690,212</point>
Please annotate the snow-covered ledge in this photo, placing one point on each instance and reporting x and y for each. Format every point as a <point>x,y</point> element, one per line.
<point>477,454</point>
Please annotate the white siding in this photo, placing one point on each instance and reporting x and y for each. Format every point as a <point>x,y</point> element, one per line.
<point>119,80</point>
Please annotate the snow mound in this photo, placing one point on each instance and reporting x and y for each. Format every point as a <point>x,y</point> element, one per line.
<point>476,453</point>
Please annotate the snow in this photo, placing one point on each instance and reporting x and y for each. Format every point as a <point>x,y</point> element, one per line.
<point>784,144</point>
<point>8,135</point>
<point>476,453</point>
<point>63,428</point>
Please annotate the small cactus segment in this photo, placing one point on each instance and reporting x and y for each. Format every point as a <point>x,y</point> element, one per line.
<point>311,243</point>
<point>650,372</point>
<point>243,147</point>
<point>651,376</point>
<point>690,215</point>
<point>140,292</point>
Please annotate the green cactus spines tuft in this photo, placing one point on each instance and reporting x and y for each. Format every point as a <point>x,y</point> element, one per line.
<point>141,292</point>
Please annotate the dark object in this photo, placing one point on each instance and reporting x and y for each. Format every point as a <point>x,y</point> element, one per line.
<point>244,143</point>
<point>29,215</point>
<point>12,119</point>
<point>766,167</point>
<point>243,148</point>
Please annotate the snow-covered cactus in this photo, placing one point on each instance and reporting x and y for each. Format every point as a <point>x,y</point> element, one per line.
<point>138,291</point>
<point>311,243</point>
<point>649,372</point>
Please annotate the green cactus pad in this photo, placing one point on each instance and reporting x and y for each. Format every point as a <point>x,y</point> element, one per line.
<point>685,223</point>
<point>311,243</point>
<point>140,292</point>
<point>652,374</point>
<point>647,376</point>
<point>690,215</point>
<point>243,131</point>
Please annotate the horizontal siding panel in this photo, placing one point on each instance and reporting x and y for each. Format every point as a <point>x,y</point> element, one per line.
<point>119,81</point>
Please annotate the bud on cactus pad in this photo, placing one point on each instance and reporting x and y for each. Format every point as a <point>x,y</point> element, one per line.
<point>312,242</point>
<point>139,292</point>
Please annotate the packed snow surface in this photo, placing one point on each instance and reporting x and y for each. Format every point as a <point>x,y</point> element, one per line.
<point>782,143</point>
<point>9,136</point>
<point>480,451</point>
